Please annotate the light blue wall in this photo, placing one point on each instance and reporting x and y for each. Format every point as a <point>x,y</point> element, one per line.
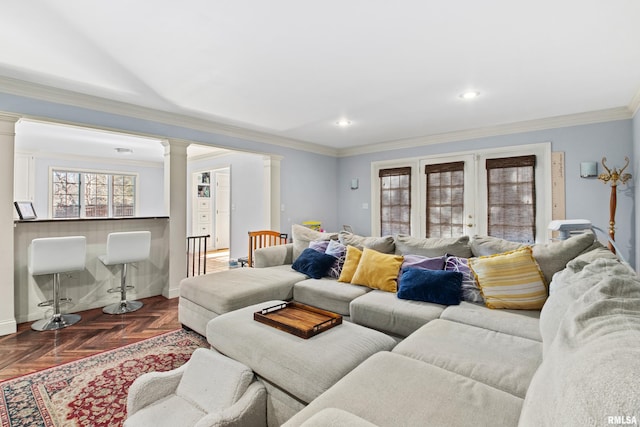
<point>585,198</point>
<point>308,181</point>
<point>150,182</point>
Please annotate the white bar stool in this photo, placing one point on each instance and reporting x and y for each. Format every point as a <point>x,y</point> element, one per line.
<point>55,255</point>
<point>125,248</point>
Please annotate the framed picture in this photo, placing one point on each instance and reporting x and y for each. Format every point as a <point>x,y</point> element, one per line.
<point>25,210</point>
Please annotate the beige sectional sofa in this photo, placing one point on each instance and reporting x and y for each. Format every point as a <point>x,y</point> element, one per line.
<point>575,362</point>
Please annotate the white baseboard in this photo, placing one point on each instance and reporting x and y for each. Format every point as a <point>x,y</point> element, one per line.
<point>8,327</point>
<point>171,293</point>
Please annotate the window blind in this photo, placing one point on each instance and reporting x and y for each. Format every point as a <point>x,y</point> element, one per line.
<point>395,201</point>
<point>445,199</point>
<point>511,191</point>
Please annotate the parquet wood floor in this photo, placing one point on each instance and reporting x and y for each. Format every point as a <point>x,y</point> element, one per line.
<point>28,351</point>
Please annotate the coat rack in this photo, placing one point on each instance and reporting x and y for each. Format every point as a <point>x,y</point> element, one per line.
<point>613,176</point>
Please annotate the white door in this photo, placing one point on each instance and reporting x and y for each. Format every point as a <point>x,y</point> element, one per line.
<point>222,209</point>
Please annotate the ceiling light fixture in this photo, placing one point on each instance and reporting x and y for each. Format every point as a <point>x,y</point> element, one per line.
<point>343,123</point>
<point>122,150</point>
<point>470,94</point>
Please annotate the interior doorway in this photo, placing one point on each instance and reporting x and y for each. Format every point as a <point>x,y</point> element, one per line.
<point>222,211</point>
<point>211,207</point>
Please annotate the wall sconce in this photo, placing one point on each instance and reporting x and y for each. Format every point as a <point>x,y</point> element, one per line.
<point>354,184</point>
<point>588,169</point>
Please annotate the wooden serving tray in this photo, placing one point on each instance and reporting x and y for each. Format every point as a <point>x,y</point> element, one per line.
<point>298,319</point>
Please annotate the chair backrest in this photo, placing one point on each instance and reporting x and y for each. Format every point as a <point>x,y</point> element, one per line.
<point>128,246</point>
<point>50,255</point>
<point>264,238</point>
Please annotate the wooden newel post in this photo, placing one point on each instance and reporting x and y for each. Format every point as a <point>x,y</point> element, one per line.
<point>613,175</point>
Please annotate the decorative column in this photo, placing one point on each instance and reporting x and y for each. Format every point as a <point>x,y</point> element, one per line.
<point>271,193</point>
<point>613,176</point>
<point>176,197</point>
<point>7,149</point>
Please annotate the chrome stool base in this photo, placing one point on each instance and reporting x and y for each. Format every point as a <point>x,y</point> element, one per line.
<point>122,307</point>
<point>56,322</point>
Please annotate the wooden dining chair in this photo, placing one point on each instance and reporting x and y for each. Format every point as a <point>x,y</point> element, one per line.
<point>262,239</point>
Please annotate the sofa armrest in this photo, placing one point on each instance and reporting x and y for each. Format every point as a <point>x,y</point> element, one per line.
<point>151,387</point>
<point>249,410</point>
<point>273,255</point>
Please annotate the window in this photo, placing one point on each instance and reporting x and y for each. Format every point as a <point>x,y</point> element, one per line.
<point>395,201</point>
<point>445,199</point>
<point>511,188</point>
<point>92,194</point>
<point>503,192</point>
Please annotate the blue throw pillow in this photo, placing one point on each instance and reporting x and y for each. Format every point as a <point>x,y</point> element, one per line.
<point>313,263</point>
<point>437,286</point>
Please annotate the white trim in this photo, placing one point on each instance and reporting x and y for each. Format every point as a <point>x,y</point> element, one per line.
<point>613,114</point>
<point>634,105</point>
<point>92,171</point>
<point>62,96</point>
<point>78,158</point>
<point>8,327</point>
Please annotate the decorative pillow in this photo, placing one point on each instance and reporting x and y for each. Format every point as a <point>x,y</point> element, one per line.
<point>339,251</point>
<point>384,244</point>
<point>350,266</point>
<point>419,261</point>
<point>553,257</point>
<point>313,263</point>
<point>488,245</point>
<point>470,289</point>
<point>302,236</point>
<point>319,245</point>
<point>436,286</point>
<point>377,270</point>
<point>431,247</point>
<point>510,280</point>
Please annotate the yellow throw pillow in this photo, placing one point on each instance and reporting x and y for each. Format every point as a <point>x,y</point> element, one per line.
<point>510,280</point>
<point>350,264</point>
<point>377,270</point>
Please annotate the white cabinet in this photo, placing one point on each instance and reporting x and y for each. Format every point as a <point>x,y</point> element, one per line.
<point>201,218</point>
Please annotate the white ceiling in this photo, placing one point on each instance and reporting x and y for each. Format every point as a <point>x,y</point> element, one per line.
<point>291,68</point>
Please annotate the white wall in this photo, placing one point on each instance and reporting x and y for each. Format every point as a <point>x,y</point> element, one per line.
<point>636,179</point>
<point>584,197</point>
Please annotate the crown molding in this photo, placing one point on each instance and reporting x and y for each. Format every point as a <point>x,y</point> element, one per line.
<point>612,114</point>
<point>89,159</point>
<point>634,105</point>
<point>61,96</point>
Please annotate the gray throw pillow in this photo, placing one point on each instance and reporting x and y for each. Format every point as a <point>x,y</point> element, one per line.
<point>553,257</point>
<point>487,245</point>
<point>302,236</point>
<point>383,244</point>
<point>432,247</point>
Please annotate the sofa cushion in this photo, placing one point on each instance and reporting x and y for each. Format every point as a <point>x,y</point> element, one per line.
<point>388,389</point>
<point>470,289</point>
<point>592,369</point>
<point>521,323</point>
<point>489,245</point>
<point>304,368</point>
<point>510,280</point>
<point>351,261</point>
<point>328,294</point>
<point>302,236</point>
<point>313,263</point>
<point>506,362</point>
<point>333,417</point>
<point>377,270</point>
<point>225,291</point>
<point>567,287</point>
<point>383,244</point>
<point>553,257</point>
<point>437,286</point>
<point>432,247</point>
<point>385,312</point>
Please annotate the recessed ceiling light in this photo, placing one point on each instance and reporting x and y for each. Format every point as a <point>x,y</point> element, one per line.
<point>122,150</point>
<point>470,94</point>
<point>343,123</point>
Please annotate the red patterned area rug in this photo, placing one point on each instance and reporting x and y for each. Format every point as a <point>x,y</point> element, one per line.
<point>91,391</point>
